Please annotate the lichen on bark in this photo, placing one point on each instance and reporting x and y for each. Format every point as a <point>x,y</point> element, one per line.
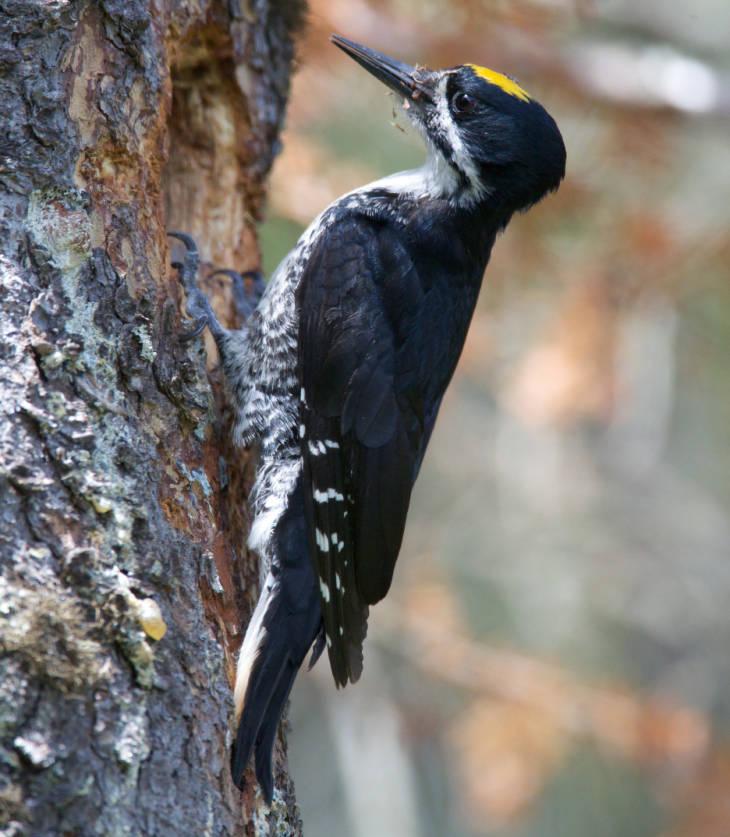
<point>124,578</point>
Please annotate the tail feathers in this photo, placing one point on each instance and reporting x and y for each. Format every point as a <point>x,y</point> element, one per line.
<point>287,620</point>
<point>264,746</point>
<point>317,648</point>
<point>261,711</point>
<point>267,668</point>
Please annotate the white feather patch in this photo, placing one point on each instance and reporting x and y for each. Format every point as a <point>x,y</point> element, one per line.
<point>274,483</point>
<point>437,177</point>
<point>252,643</point>
<point>321,540</point>
<point>460,155</point>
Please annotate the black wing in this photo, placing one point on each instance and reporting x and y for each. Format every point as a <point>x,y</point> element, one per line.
<point>362,422</point>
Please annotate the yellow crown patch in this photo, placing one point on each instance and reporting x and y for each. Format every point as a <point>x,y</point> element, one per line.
<point>503,82</point>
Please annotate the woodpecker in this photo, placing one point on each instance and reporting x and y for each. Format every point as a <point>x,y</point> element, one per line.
<point>338,374</point>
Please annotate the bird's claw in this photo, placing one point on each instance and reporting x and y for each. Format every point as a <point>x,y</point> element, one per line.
<point>244,299</point>
<point>188,268</point>
<point>197,306</point>
<point>186,335</point>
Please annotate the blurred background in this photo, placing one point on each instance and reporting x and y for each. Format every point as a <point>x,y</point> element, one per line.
<point>554,657</point>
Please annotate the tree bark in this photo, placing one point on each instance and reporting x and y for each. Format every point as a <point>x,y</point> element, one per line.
<point>124,576</point>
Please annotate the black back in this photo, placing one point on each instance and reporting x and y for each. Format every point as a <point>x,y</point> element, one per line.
<point>385,302</point>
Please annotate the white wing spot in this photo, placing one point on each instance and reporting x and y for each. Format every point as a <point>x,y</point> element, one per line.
<point>337,582</point>
<point>317,448</point>
<point>302,431</point>
<point>331,443</point>
<point>325,590</point>
<point>322,541</point>
<point>327,494</point>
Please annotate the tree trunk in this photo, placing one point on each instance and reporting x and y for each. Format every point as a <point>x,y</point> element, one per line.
<point>124,576</point>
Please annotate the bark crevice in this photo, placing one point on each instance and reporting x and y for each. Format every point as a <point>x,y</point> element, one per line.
<point>123,570</point>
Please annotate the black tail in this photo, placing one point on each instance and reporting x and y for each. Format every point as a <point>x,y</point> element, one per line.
<point>285,623</point>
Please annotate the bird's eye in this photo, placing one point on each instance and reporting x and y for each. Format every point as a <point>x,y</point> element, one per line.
<point>463,103</point>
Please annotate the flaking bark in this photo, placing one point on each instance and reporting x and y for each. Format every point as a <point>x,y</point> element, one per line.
<point>120,495</point>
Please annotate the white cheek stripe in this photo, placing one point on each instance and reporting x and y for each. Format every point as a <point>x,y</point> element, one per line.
<point>448,126</point>
<point>437,177</point>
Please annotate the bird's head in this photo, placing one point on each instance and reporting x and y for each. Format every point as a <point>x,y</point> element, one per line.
<point>491,140</point>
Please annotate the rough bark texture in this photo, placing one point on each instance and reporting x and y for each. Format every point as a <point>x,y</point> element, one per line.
<point>120,497</point>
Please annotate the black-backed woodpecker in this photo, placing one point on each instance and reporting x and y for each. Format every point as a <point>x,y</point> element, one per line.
<point>339,372</point>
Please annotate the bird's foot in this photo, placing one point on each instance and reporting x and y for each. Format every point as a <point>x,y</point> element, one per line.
<point>198,307</point>
<point>248,288</point>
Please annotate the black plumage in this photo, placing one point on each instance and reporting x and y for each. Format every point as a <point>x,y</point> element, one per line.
<point>341,369</point>
<point>385,303</point>
<point>291,624</point>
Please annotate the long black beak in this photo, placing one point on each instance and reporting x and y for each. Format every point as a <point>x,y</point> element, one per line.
<point>408,81</point>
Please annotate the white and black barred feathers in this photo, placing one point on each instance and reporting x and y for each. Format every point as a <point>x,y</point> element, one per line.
<point>260,367</point>
<point>339,379</point>
<point>361,429</point>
